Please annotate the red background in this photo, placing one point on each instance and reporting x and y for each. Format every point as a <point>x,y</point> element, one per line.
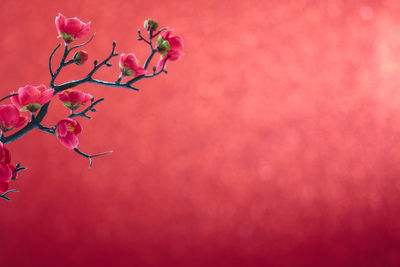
<point>273,142</point>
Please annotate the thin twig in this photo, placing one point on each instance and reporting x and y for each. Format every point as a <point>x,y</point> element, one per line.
<point>53,77</point>
<point>98,66</point>
<point>157,33</point>
<point>90,108</point>
<point>9,191</point>
<point>50,58</point>
<point>141,38</point>
<point>85,43</point>
<point>149,76</point>
<point>47,129</point>
<point>4,98</point>
<point>91,156</point>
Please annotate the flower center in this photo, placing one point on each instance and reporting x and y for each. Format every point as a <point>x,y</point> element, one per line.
<point>70,128</point>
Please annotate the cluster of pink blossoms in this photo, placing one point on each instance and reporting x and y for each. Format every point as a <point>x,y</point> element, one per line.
<point>30,99</point>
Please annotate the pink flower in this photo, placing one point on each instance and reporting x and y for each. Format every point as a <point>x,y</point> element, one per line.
<point>71,28</point>
<point>67,131</point>
<point>169,47</point>
<point>32,97</point>
<point>6,169</point>
<point>73,99</point>
<point>10,118</point>
<point>129,66</point>
<point>81,57</point>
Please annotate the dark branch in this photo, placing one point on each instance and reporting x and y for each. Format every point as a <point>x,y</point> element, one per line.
<point>17,170</point>
<point>4,98</point>
<point>30,126</point>
<point>91,156</point>
<point>109,84</point>
<point>90,108</point>
<point>60,66</point>
<point>152,49</point>
<point>105,61</point>
<point>149,76</point>
<point>161,30</point>
<point>47,129</point>
<point>8,192</point>
<point>141,38</point>
<point>85,43</point>
<point>50,58</point>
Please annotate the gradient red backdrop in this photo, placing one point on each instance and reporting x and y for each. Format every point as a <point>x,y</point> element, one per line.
<point>273,142</point>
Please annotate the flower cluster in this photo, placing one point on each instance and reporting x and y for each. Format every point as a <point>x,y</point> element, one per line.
<point>29,104</point>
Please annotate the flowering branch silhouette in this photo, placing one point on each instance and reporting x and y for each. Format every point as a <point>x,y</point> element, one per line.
<point>36,99</point>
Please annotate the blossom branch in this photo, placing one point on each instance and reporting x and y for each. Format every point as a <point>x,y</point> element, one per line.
<point>35,122</point>
<point>89,78</point>
<point>67,129</point>
<point>91,156</point>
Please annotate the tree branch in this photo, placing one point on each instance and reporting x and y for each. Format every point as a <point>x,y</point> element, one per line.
<point>60,66</point>
<point>91,156</point>
<point>90,108</point>
<point>51,57</point>
<point>8,192</point>
<point>4,98</point>
<point>85,43</point>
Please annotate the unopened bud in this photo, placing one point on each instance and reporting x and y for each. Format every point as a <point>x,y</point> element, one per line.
<point>81,57</point>
<point>150,25</point>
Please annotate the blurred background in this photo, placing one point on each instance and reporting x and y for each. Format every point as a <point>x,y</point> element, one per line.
<point>273,142</point>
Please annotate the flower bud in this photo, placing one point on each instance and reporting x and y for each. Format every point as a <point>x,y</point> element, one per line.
<point>81,57</point>
<point>150,25</point>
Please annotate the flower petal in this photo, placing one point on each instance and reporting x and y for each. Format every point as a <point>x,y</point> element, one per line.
<point>61,129</point>
<point>176,43</point>
<point>60,20</point>
<point>76,96</point>
<point>64,97</point>
<point>69,141</point>
<point>21,121</point>
<point>84,30</point>
<point>28,94</point>
<point>45,96</point>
